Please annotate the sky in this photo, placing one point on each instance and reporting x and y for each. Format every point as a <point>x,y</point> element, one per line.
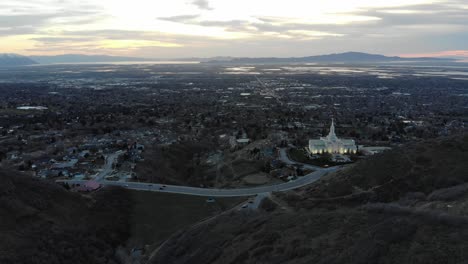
<point>240,28</point>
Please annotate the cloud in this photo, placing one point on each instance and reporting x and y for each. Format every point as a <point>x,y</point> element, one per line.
<point>30,17</point>
<point>126,42</point>
<point>377,25</point>
<point>447,53</point>
<point>13,21</point>
<point>202,4</point>
<point>180,19</point>
<point>62,40</point>
<point>8,31</point>
<point>258,27</point>
<point>246,28</point>
<point>419,14</point>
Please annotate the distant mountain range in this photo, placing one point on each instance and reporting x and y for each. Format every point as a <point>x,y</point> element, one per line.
<point>348,57</point>
<point>78,58</point>
<point>9,59</point>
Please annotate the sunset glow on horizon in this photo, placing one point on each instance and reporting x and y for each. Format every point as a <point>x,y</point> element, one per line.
<point>204,28</point>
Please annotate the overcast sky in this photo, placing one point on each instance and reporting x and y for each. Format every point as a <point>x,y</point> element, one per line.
<point>253,28</point>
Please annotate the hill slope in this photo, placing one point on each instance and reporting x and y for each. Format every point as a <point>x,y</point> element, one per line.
<point>41,222</point>
<point>409,205</point>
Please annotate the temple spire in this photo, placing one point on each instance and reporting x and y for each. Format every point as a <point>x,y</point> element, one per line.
<point>332,134</point>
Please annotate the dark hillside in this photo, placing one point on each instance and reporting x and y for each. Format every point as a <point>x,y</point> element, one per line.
<point>422,167</point>
<point>409,205</point>
<point>320,236</point>
<point>176,164</point>
<point>41,222</point>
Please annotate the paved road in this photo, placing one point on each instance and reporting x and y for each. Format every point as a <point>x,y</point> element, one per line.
<point>107,169</point>
<point>270,91</point>
<point>314,176</point>
<point>254,203</point>
<point>301,181</point>
<point>283,156</point>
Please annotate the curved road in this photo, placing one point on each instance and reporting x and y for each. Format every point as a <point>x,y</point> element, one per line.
<point>300,182</point>
<point>283,156</point>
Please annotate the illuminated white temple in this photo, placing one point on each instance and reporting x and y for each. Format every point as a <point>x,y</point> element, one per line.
<point>332,144</point>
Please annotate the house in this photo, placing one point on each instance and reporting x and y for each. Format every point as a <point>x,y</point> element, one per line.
<point>63,165</point>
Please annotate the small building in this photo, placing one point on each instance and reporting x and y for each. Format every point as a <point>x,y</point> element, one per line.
<point>64,165</point>
<point>88,186</point>
<point>243,141</point>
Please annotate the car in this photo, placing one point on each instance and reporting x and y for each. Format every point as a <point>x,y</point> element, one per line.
<point>245,205</point>
<point>161,188</point>
<point>250,202</point>
<point>126,185</point>
<point>164,186</point>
